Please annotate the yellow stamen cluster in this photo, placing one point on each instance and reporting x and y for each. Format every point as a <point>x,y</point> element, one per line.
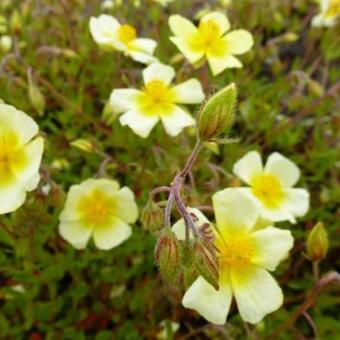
<point>334,8</point>
<point>11,157</point>
<point>126,33</point>
<point>156,90</point>
<point>96,208</point>
<point>235,251</point>
<point>209,32</point>
<point>268,189</point>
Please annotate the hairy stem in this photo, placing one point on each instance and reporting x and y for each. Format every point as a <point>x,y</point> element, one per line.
<point>175,195</point>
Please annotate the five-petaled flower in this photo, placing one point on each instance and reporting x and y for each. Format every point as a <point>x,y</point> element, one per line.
<point>157,101</point>
<point>111,35</point>
<point>329,14</point>
<point>100,208</point>
<point>20,157</point>
<point>271,186</point>
<point>246,253</point>
<point>209,41</point>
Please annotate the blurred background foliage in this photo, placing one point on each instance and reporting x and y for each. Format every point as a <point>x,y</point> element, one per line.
<point>288,102</point>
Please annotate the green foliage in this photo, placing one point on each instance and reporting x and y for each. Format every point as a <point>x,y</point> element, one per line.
<point>48,290</point>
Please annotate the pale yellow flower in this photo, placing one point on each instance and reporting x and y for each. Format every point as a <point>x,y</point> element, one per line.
<point>272,186</point>
<point>20,157</point>
<point>158,100</point>
<point>329,13</point>
<point>246,254</point>
<point>209,40</point>
<point>98,208</point>
<point>111,35</point>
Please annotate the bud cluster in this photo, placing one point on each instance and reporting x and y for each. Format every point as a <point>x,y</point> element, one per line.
<point>191,257</point>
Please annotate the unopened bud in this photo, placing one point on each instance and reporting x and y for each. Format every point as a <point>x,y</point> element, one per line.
<point>206,261</point>
<point>16,22</point>
<point>290,37</point>
<point>217,115</point>
<point>83,145</point>
<point>317,243</point>
<point>36,97</point>
<point>167,256</point>
<point>5,43</point>
<point>152,216</point>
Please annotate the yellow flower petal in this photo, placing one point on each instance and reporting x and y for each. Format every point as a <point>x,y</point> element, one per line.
<point>189,92</point>
<point>76,233</point>
<point>144,45</point>
<point>218,63</point>
<point>194,55</point>
<point>219,19</point>
<point>126,206</point>
<point>18,121</point>
<point>212,304</point>
<point>14,198</point>
<point>140,124</point>
<point>234,210</point>
<point>239,41</point>
<point>158,71</point>
<point>272,246</point>
<point>104,32</point>
<point>283,168</point>
<point>297,201</point>
<point>182,27</point>
<point>248,166</point>
<point>122,100</point>
<point>110,236</point>
<point>256,293</point>
<point>176,120</point>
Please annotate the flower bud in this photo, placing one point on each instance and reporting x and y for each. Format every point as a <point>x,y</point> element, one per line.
<point>36,97</point>
<point>5,43</point>
<point>317,243</point>
<point>167,255</point>
<point>206,261</point>
<point>83,145</point>
<point>217,115</point>
<point>152,217</point>
<point>16,22</point>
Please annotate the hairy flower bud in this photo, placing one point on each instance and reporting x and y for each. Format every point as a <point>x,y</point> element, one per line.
<point>83,145</point>
<point>217,115</point>
<point>317,243</point>
<point>206,261</point>
<point>152,216</point>
<point>168,256</point>
<point>35,95</point>
<point>5,43</point>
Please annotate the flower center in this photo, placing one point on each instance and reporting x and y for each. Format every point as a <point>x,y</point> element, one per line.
<point>235,250</point>
<point>268,189</point>
<point>96,208</point>
<point>126,33</point>
<point>333,9</point>
<point>12,158</point>
<point>209,32</point>
<point>156,90</point>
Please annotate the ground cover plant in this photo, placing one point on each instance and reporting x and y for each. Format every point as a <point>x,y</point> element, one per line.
<point>169,169</point>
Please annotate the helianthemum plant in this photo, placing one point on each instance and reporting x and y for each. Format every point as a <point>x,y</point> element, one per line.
<point>158,100</point>
<point>245,254</point>
<point>111,35</point>
<point>20,157</point>
<point>272,186</point>
<point>98,208</point>
<point>210,41</point>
